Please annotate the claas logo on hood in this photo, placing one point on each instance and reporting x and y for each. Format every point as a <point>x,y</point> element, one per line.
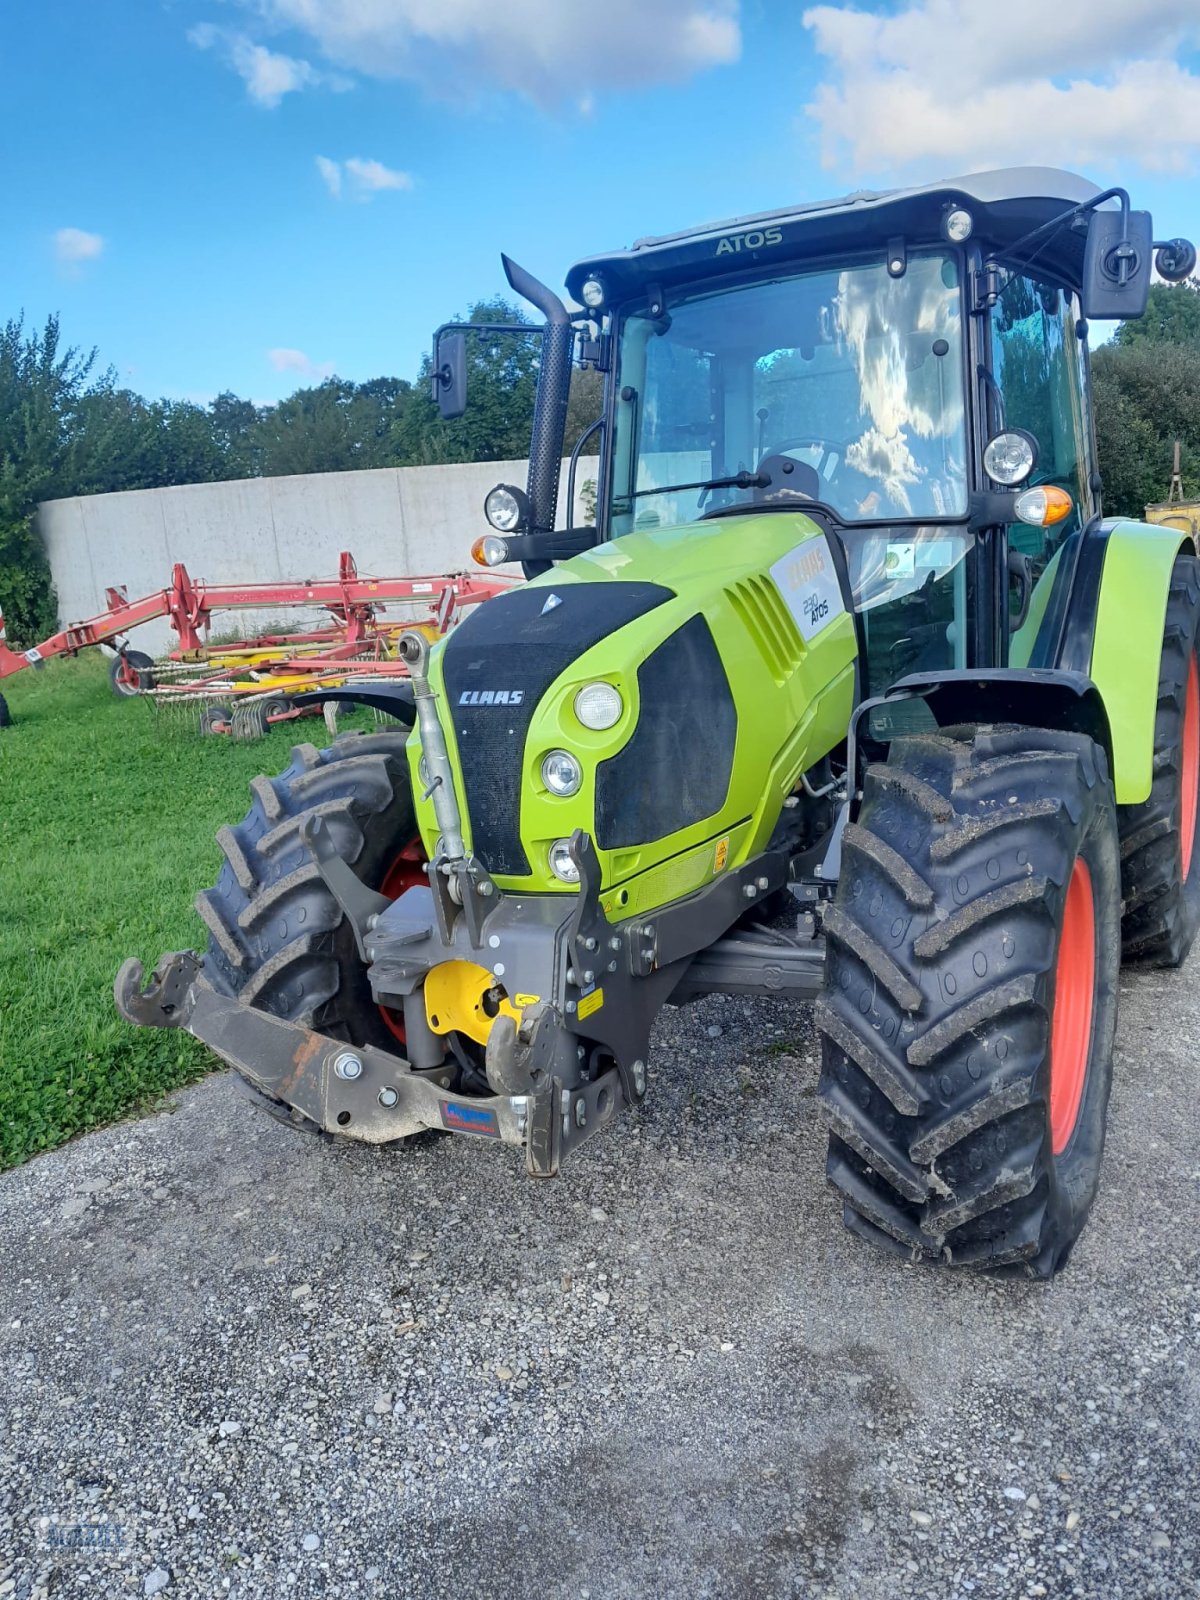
<point>491,697</point>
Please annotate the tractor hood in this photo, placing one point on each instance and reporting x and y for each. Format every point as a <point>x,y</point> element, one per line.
<point>732,651</point>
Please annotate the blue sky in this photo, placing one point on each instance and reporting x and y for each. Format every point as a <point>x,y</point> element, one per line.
<point>247,194</point>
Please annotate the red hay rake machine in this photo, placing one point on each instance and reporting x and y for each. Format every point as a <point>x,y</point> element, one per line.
<point>240,686</point>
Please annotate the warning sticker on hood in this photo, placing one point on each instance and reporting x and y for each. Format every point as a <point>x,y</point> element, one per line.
<point>808,581</point>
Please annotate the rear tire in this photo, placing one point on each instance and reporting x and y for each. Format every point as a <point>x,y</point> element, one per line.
<point>967,1040</point>
<point>6,718</point>
<point>1160,865</point>
<point>277,937</point>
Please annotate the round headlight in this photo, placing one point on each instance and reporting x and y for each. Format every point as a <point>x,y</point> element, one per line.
<point>490,550</point>
<point>505,508</point>
<point>599,706</point>
<point>957,225</point>
<point>1010,457</point>
<point>561,773</point>
<point>561,865</point>
<point>592,293</point>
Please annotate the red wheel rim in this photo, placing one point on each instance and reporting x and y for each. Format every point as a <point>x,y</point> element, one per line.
<point>1074,1000</point>
<point>1189,776</point>
<point>407,870</point>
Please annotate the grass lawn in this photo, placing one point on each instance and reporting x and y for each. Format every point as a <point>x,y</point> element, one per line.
<point>107,831</point>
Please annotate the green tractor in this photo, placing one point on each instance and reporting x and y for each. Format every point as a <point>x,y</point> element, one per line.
<point>850,695</point>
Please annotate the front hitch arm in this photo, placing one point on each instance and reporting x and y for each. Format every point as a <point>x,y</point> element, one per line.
<point>358,1090</point>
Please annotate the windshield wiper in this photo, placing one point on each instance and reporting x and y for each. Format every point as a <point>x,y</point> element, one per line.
<point>737,480</point>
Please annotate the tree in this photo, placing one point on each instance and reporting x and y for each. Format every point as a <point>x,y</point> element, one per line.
<point>41,388</point>
<point>1147,394</point>
<point>501,382</point>
<point>234,425</point>
<point>1172,317</point>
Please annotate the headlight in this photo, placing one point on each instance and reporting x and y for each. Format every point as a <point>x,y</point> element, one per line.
<point>561,773</point>
<point>957,225</point>
<point>506,508</point>
<point>599,706</point>
<point>561,865</point>
<point>592,293</point>
<point>1010,457</point>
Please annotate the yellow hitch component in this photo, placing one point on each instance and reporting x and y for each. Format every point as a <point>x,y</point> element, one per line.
<point>454,993</point>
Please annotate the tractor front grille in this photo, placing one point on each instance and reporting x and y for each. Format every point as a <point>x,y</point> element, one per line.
<point>498,664</point>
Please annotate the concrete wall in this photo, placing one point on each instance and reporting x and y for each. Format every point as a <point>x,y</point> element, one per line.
<point>395,521</point>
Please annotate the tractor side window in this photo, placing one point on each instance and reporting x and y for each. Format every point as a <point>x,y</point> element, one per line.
<point>1037,362</point>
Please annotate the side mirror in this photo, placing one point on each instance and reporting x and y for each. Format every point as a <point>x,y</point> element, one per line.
<point>450,374</point>
<point>1116,265</point>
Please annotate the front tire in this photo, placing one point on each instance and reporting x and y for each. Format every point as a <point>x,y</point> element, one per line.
<point>277,937</point>
<point>970,1001</point>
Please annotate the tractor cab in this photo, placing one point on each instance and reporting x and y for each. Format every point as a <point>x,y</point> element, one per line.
<point>908,367</point>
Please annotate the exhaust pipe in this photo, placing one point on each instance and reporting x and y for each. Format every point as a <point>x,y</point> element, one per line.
<point>550,406</point>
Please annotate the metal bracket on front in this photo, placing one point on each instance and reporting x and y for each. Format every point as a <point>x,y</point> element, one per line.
<point>166,1001</point>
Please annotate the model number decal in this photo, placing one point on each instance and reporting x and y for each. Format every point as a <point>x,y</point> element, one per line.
<point>759,239</point>
<point>808,581</point>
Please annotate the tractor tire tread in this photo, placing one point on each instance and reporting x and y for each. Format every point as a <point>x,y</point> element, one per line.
<point>935,1020</point>
<point>277,937</point>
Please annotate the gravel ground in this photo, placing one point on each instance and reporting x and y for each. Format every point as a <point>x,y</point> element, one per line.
<point>285,1367</point>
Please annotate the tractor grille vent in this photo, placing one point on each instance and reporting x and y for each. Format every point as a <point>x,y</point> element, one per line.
<point>769,623</point>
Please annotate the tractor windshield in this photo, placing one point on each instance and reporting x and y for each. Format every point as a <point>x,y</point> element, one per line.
<point>853,373</point>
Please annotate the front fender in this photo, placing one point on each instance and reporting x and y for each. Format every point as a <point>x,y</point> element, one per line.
<point>1102,615</point>
<point>1127,645</point>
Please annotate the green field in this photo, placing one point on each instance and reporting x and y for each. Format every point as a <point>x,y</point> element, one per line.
<point>107,825</point>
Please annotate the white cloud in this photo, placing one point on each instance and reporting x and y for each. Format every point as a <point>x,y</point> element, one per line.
<point>267,74</point>
<point>533,48</point>
<point>331,175</point>
<point>364,177</point>
<point>74,246</point>
<point>284,360</point>
<point>373,175</point>
<point>955,85</point>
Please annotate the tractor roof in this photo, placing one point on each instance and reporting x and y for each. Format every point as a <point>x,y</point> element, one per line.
<point>1006,204</point>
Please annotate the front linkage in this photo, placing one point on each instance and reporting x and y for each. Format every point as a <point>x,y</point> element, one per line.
<point>591,990</point>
